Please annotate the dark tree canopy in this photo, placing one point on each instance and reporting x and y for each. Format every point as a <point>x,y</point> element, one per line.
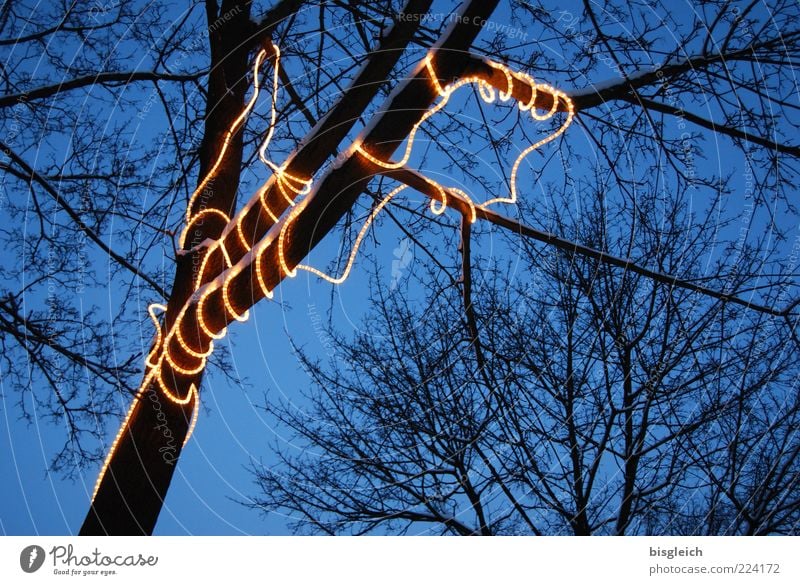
<point>614,354</point>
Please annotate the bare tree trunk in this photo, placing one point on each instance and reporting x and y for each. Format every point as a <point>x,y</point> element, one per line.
<point>140,466</point>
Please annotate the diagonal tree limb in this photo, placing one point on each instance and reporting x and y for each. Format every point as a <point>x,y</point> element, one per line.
<point>106,77</point>
<point>337,191</point>
<point>420,183</point>
<point>714,126</point>
<point>31,176</point>
<point>324,138</point>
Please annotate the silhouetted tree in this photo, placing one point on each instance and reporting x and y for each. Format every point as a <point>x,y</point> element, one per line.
<point>87,188</point>
<point>582,394</point>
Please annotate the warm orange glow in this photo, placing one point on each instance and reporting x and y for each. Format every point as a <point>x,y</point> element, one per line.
<point>473,214</point>
<point>273,115</point>
<point>487,94</point>
<point>123,428</point>
<point>229,307</point>
<point>291,188</point>
<point>353,252</point>
<point>115,443</point>
<point>157,344</point>
<point>161,344</point>
<point>234,127</point>
<point>189,350</point>
<point>505,95</point>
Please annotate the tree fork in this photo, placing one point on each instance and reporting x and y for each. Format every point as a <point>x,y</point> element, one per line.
<point>339,189</point>
<point>139,469</point>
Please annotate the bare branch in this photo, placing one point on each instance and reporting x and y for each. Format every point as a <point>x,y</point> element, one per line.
<point>33,176</point>
<point>419,183</point>
<point>113,79</point>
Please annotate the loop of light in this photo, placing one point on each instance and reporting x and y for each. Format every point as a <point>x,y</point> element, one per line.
<point>488,95</point>
<point>160,350</point>
<point>291,187</point>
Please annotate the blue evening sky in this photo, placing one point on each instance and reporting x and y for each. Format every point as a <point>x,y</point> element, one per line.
<point>232,431</point>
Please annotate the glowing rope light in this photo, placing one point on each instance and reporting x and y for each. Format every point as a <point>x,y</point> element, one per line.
<point>487,93</point>
<point>351,258</point>
<point>284,181</point>
<point>168,392</point>
<point>201,213</point>
<point>529,105</point>
<point>432,74</point>
<point>151,311</point>
<point>123,428</point>
<point>180,369</point>
<point>176,327</point>
<point>473,215</point>
<point>195,415</point>
<point>291,187</point>
<point>442,198</point>
<point>273,105</point>
<point>202,322</point>
<point>557,94</point>
<point>161,345</point>
<point>189,350</point>
<point>115,444</point>
<point>225,143</point>
<point>260,277</point>
<point>207,257</point>
<point>229,307</point>
<point>505,95</point>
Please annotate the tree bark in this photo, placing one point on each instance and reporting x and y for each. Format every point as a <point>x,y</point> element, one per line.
<point>134,485</point>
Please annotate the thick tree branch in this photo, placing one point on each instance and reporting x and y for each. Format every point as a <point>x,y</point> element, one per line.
<point>324,138</point>
<point>419,183</point>
<point>338,190</point>
<point>335,193</point>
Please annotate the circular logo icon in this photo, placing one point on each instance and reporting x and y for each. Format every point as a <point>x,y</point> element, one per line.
<point>31,558</point>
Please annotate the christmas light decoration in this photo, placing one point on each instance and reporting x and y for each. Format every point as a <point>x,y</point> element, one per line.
<point>487,93</point>
<point>189,360</point>
<point>160,350</point>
